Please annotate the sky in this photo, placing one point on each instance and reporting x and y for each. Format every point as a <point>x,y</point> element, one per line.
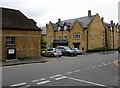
<point>43,11</point>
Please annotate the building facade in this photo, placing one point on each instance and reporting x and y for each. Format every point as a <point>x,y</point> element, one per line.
<point>112,35</point>
<point>20,35</point>
<point>85,33</point>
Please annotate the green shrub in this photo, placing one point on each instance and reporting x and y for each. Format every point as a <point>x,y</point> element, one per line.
<point>98,49</point>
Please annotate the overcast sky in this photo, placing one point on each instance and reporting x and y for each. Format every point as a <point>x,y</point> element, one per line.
<point>43,11</point>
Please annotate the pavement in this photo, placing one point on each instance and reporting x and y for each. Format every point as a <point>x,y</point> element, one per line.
<point>28,61</point>
<point>49,59</point>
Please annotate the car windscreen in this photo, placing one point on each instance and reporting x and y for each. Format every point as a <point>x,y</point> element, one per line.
<point>50,50</point>
<point>67,48</point>
<point>57,49</point>
<point>73,49</point>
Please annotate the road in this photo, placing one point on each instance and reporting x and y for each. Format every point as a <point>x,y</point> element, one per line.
<point>83,70</point>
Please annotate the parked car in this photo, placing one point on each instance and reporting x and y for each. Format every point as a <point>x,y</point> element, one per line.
<point>67,51</point>
<point>42,52</point>
<point>79,52</point>
<point>53,52</point>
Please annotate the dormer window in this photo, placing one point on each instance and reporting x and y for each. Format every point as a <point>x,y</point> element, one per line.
<point>59,28</point>
<point>111,28</point>
<point>117,30</point>
<point>65,27</point>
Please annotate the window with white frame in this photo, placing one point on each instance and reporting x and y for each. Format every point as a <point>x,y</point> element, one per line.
<point>111,28</point>
<point>103,31</point>
<point>59,28</point>
<point>58,37</point>
<point>49,37</point>
<point>98,22</point>
<point>117,30</point>
<point>50,30</point>
<point>91,46</point>
<point>65,37</point>
<point>76,36</point>
<point>91,36</point>
<point>117,37</point>
<point>10,40</point>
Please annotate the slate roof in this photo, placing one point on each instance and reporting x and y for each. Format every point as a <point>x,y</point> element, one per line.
<point>14,19</point>
<point>84,21</point>
<point>109,25</point>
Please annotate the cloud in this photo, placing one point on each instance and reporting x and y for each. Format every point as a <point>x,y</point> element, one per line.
<point>43,11</point>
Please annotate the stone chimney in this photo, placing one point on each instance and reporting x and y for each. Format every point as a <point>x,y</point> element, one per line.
<point>111,22</point>
<point>59,20</point>
<point>102,19</point>
<point>114,24</point>
<point>46,25</point>
<point>89,13</point>
<point>117,25</point>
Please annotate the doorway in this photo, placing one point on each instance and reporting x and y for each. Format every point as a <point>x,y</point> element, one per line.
<point>76,44</point>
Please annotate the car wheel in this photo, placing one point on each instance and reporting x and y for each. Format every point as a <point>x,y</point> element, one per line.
<point>42,54</point>
<point>72,54</point>
<point>68,54</point>
<point>60,56</point>
<point>52,55</point>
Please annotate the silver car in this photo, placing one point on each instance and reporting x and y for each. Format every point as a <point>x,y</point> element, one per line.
<point>53,52</point>
<point>79,52</point>
<point>67,51</point>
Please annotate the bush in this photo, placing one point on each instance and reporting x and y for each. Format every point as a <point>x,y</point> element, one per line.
<point>98,49</point>
<point>23,58</point>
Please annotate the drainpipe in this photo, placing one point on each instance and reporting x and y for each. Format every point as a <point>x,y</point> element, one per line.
<point>113,39</point>
<point>87,40</point>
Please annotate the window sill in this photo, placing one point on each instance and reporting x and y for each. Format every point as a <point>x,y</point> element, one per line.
<point>77,39</point>
<point>10,44</point>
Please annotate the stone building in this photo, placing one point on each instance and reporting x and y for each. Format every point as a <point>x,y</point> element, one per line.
<point>20,35</point>
<point>85,33</point>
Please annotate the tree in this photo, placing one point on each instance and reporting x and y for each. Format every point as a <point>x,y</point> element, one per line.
<point>43,43</point>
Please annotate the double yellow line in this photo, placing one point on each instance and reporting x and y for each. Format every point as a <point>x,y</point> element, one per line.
<point>116,63</point>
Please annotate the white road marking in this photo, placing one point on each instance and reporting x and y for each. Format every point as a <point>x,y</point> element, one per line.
<point>77,70</point>
<point>104,64</point>
<point>96,84</point>
<point>19,84</point>
<point>109,63</point>
<point>99,65</point>
<point>25,86</point>
<point>44,82</point>
<point>68,73</point>
<point>55,76</point>
<point>93,67</point>
<point>38,80</point>
<point>87,68</point>
<point>63,77</point>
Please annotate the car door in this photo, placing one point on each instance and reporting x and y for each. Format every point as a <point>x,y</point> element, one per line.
<point>63,50</point>
<point>49,52</point>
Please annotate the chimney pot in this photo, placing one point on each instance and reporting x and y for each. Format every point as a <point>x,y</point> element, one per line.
<point>89,13</point>
<point>111,21</point>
